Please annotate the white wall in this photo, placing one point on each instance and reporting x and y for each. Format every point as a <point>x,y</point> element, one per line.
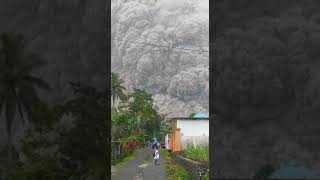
<point>193,132</point>
<point>193,127</point>
<point>166,141</point>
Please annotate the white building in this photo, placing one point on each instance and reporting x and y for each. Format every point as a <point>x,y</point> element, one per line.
<point>193,131</point>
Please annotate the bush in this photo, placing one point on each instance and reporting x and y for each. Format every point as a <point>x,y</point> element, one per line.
<point>181,173</point>
<point>198,153</point>
<point>174,171</point>
<point>206,176</point>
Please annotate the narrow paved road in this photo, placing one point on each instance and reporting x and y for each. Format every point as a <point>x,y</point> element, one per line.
<point>141,168</point>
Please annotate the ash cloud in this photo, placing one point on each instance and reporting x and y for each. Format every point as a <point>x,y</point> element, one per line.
<point>178,78</point>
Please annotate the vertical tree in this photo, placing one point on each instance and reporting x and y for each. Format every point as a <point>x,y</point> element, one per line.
<point>18,86</point>
<point>117,87</point>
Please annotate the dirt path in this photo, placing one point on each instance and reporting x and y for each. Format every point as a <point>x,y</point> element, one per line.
<point>141,168</point>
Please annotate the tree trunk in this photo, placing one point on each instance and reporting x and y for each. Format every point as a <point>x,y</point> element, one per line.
<point>10,154</point>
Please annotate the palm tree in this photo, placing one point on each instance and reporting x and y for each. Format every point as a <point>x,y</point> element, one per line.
<point>17,84</point>
<point>117,88</point>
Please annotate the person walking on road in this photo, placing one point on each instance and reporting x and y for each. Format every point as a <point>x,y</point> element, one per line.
<point>156,156</point>
<point>154,143</point>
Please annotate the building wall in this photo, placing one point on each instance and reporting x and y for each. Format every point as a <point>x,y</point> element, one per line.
<point>193,127</point>
<point>193,132</point>
<point>166,141</point>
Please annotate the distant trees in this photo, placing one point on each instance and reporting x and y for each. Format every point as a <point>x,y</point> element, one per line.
<point>136,116</point>
<point>191,115</point>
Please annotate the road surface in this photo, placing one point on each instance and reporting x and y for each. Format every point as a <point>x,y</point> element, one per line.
<point>141,168</point>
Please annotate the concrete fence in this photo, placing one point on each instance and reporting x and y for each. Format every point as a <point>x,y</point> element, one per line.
<point>197,169</point>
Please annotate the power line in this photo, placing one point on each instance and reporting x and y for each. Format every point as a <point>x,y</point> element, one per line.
<point>163,50</point>
<point>174,47</point>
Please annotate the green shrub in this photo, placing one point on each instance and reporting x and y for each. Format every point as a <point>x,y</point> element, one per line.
<point>174,171</point>
<point>198,153</point>
<point>181,173</point>
<point>206,177</point>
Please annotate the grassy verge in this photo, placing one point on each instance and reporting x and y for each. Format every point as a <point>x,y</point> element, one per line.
<point>174,171</point>
<point>128,158</point>
<point>206,177</point>
<point>197,153</point>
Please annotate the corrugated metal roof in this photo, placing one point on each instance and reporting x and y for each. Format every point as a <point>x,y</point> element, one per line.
<point>201,115</point>
<point>188,118</point>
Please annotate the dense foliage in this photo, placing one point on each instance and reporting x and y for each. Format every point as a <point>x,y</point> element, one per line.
<point>50,148</point>
<point>174,171</point>
<point>18,85</point>
<point>136,117</point>
<point>62,141</point>
<point>206,176</point>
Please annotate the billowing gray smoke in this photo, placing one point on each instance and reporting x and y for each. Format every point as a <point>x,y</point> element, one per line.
<point>162,46</point>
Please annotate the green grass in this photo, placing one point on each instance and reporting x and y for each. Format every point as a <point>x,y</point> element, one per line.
<point>174,171</point>
<point>206,176</point>
<point>197,153</point>
<point>128,158</point>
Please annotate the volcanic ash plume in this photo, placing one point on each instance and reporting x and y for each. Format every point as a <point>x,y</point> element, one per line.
<point>162,46</point>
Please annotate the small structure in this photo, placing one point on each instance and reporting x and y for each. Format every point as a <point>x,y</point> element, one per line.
<point>188,131</point>
<point>201,115</point>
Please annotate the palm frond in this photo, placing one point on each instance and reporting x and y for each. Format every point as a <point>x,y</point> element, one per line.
<point>122,87</point>
<point>28,96</point>
<point>20,106</point>
<point>32,62</point>
<point>37,82</point>
<point>1,103</point>
<point>17,85</point>
<point>10,111</point>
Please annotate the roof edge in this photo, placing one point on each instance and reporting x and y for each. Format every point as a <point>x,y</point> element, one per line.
<point>187,118</point>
